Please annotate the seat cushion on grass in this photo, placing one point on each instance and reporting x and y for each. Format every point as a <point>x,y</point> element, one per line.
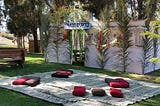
<point>20,81</point>
<point>108,80</point>
<point>116,93</point>
<point>67,72</point>
<point>98,92</point>
<point>59,75</point>
<point>120,79</point>
<point>119,83</point>
<point>79,91</point>
<point>31,77</point>
<point>33,81</point>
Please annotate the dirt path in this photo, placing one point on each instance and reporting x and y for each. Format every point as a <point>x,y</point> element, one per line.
<point>5,41</point>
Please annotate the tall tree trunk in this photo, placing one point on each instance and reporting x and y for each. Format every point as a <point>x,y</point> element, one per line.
<point>40,24</point>
<point>18,42</point>
<point>23,41</point>
<point>36,48</point>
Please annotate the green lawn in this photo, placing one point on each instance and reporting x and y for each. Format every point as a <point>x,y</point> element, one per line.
<point>36,64</point>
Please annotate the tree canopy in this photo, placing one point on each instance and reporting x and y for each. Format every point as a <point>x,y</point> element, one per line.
<point>25,16</point>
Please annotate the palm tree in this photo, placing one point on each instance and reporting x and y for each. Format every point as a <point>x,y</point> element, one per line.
<point>154,34</point>
<point>124,42</point>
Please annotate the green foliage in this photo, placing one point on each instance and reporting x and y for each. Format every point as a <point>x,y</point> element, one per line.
<point>56,19</point>
<point>23,17</point>
<point>124,42</point>
<point>151,9</point>
<point>155,60</point>
<point>95,6</point>
<point>156,24</point>
<point>104,15</point>
<point>155,36</point>
<point>107,13</point>
<point>121,11</point>
<point>59,15</point>
<point>44,31</point>
<point>147,47</point>
<point>151,34</point>
<point>68,13</point>
<point>142,9</point>
<point>102,51</point>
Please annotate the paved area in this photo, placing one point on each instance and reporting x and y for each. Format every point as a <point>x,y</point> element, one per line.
<point>5,41</point>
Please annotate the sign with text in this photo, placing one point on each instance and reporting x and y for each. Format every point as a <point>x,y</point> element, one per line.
<point>77,25</point>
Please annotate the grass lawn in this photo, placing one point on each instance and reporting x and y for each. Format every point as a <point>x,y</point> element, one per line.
<point>36,64</point>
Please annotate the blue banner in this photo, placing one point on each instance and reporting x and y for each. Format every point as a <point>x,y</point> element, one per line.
<point>77,25</point>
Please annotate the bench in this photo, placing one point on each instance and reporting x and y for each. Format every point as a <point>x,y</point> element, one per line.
<point>13,56</point>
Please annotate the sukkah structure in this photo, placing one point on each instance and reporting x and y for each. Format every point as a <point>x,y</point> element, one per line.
<point>101,50</point>
<point>58,49</point>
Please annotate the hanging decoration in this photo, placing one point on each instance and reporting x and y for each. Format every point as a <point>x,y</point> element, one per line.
<point>120,37</point>
<point>65,34</point>
<point>99,43</point>
<point>99,40</point>
<point>85,33</point>
<point>110,43</point>
<point>100,37</point>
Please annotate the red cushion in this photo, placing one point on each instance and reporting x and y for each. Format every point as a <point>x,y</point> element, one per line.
<point>120,83</point>
<point>68,71</point>
<point>120,79</point>
<point>64,72</point>
<point>124,83</point>
<point>79,91</point>
<point>116,93</point>
<point>20,81</point>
